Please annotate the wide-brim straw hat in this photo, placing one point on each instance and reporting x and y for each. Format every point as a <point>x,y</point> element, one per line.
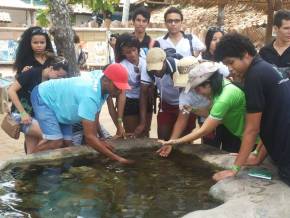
<point>184,65</point>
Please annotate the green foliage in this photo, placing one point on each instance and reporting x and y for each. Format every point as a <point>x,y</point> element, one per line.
<point>97,5</point>
<point>41,17</point>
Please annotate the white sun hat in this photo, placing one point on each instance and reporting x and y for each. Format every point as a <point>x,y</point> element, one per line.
<point>201,73</point>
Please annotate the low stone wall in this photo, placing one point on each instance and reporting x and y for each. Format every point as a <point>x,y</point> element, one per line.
<point>243,196</point>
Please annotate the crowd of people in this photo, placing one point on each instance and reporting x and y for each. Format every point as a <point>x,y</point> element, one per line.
<point>239,97</point>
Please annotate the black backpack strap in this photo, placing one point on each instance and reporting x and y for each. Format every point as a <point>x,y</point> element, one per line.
<point>186,36</point>
<point>166,36</point>
<point>189,37</point>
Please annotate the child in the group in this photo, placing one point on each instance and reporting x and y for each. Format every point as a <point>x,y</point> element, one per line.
<point>141,20</point>
<point>187,100</point>
<point>220,137</point>
<point>176,41</point>
<point>228,106</point>
<point>65,102</point>
<point>267,105</point>
<point>32,50</point>
<point>19,93</point>
<point>160,71</point>
<point>127,53</point>
<point>277,52</point>
<point>212,37</point>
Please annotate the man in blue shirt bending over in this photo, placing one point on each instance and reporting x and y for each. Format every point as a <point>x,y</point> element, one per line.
<point>60,103</point>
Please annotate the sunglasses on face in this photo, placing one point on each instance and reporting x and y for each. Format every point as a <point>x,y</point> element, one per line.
<point>171,21</point>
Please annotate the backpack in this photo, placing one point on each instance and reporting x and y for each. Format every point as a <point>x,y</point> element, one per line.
<point>171,52</point>
<point>83,56</point>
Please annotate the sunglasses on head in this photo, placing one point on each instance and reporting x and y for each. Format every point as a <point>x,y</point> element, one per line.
<point>60,64</point>
<point>38,31</point>
<point>216,29</point>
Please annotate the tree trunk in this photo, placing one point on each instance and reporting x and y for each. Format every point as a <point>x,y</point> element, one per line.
<point>221,14</point>
<point>63,33</point>
<point>270,15</point>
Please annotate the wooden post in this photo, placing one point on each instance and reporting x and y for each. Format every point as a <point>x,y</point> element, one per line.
<point>126,11</point>
<point>270,14</point>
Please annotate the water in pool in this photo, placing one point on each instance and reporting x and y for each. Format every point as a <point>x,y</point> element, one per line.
<point>153,187</point>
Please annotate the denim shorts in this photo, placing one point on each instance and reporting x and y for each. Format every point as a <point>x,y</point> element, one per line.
<point>23,127</point>
<point>51,128</point>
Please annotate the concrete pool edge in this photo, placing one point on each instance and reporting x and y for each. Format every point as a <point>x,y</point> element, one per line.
<point>243,196</point>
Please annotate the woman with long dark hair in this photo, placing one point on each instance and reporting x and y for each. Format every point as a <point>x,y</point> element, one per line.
<point>32,50</point>
<point>212,37</point>
<point>19,92</point>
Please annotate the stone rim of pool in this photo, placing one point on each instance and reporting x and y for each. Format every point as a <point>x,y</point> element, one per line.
<point>243,196</point>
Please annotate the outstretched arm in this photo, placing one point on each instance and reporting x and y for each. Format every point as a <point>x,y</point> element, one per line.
<point>209,125</point>
<point>99,145</point>
<point>251,132</point>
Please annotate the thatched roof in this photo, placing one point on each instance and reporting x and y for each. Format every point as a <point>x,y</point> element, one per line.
<point>261,4</point>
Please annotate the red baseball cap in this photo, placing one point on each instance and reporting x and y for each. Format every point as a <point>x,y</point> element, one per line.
<point>119,76</point>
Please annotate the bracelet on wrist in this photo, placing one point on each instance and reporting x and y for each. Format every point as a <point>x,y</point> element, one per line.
<point>235,168</point>
<point>23,113</point>
<point>120,120</point>
<point>255,152</point>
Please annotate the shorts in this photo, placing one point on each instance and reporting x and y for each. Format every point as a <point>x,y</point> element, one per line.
<point>23,127</point>
<point>132,107</point>
<point>51,128</point>
<point>78,134</point>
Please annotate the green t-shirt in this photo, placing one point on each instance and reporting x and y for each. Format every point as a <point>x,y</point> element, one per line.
<point>230,108</point>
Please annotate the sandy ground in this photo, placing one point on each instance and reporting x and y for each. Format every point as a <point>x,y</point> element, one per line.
<point>10,148</point>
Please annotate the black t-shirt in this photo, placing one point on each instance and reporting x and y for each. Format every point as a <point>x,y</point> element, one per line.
<point>267,92</point>
<point>282,62</point>
<point>28,80</point>
<point>146,44</point>
<point>31,61</point>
